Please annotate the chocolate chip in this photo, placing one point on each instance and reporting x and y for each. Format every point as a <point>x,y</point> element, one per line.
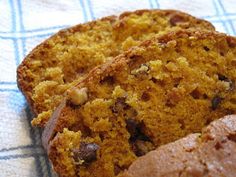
<point>176,19</point>
<point>222,77</point>
<point>120,105</point>
<point>215,102</point>
<point>86,153</point>
<point>206,48</point>
<point>132,127</point>
<point>135,130</point>
<point>140,143</point>
<point>142,136</point>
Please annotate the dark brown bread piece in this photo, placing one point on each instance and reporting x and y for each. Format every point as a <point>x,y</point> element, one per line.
<point>153,94</point>
<point>63,59</point>
<point>209,154</point>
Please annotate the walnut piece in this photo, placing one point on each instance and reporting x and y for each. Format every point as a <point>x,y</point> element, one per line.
<point>78,96</point>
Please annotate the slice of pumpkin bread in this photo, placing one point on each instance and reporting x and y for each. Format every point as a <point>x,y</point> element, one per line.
<point>51,67</point>
<point>153,94</point>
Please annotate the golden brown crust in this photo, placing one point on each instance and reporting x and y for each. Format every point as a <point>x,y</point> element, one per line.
<point>211,153</point>
<point>49,130</point>
<point>24,79</point>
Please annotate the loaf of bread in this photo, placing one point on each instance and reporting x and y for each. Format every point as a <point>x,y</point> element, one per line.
<point>211,153</point>
<point>62,60</point>
<point>151,95</point>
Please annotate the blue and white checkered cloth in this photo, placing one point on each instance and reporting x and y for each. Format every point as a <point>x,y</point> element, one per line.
<point>24,24</point>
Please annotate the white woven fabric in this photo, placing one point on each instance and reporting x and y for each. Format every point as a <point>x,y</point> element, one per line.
<point>24,24</point>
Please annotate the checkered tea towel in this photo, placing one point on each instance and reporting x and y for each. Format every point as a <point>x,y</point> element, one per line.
<point>26,23</point>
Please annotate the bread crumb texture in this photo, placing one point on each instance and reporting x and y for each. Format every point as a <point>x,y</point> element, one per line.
<point>62,60</point>
<point>166,88</point>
